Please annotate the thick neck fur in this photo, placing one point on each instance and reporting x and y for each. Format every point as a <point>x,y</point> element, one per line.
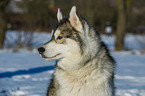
<point>91,79</point>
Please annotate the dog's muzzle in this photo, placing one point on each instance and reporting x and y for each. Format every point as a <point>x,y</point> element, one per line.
<point>41,50</point>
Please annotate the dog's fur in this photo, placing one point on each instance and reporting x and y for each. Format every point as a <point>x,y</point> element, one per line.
<point>84,66</point>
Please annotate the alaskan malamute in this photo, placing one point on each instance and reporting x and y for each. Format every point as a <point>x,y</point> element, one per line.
<point>84,66</point>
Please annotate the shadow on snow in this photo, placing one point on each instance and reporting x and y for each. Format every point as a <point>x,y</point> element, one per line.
<point>27,71</point>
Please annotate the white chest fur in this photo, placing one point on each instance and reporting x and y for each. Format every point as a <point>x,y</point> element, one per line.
<point>84,82</point>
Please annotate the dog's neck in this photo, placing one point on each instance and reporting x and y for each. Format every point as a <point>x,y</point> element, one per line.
<point>76,69</point>
<point>74,63</point>
<point>70,63</point>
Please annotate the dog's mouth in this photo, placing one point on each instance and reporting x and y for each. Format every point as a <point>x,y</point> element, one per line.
<point>53,57</point>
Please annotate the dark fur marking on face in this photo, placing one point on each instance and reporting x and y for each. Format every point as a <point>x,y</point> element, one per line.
<point>79,40</point>
<point>61,22</point>
<point>65,20</point>
<point>68,31</point>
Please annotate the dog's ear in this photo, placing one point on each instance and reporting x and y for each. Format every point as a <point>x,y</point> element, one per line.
<point>74,19</point>
<point>59,15</point>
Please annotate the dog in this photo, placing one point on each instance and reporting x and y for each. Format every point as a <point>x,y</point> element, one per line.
<point>84,66</point>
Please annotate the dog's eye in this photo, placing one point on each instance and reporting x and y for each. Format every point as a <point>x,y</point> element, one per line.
<point>59,37</point>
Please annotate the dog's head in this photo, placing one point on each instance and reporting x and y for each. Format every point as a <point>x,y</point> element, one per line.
<point>69,39</point>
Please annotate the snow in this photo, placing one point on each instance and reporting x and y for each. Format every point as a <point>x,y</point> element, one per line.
<point>25,73</point>
<point>130,74</point>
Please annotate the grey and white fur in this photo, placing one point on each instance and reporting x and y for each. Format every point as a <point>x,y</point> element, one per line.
<point>84,66</point>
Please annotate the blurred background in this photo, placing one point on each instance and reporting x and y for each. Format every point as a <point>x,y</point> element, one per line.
<point>110,17</point>
<point>25,25</point>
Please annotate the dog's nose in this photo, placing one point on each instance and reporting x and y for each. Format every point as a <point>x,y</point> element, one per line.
<point>41,50</point>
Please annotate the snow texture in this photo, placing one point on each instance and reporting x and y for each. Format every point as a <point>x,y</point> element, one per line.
<point>26,74</point>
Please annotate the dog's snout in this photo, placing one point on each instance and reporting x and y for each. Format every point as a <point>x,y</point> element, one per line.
<point>41,50</point>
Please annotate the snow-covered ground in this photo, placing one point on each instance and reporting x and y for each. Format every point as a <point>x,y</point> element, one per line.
<point>25,73</point>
